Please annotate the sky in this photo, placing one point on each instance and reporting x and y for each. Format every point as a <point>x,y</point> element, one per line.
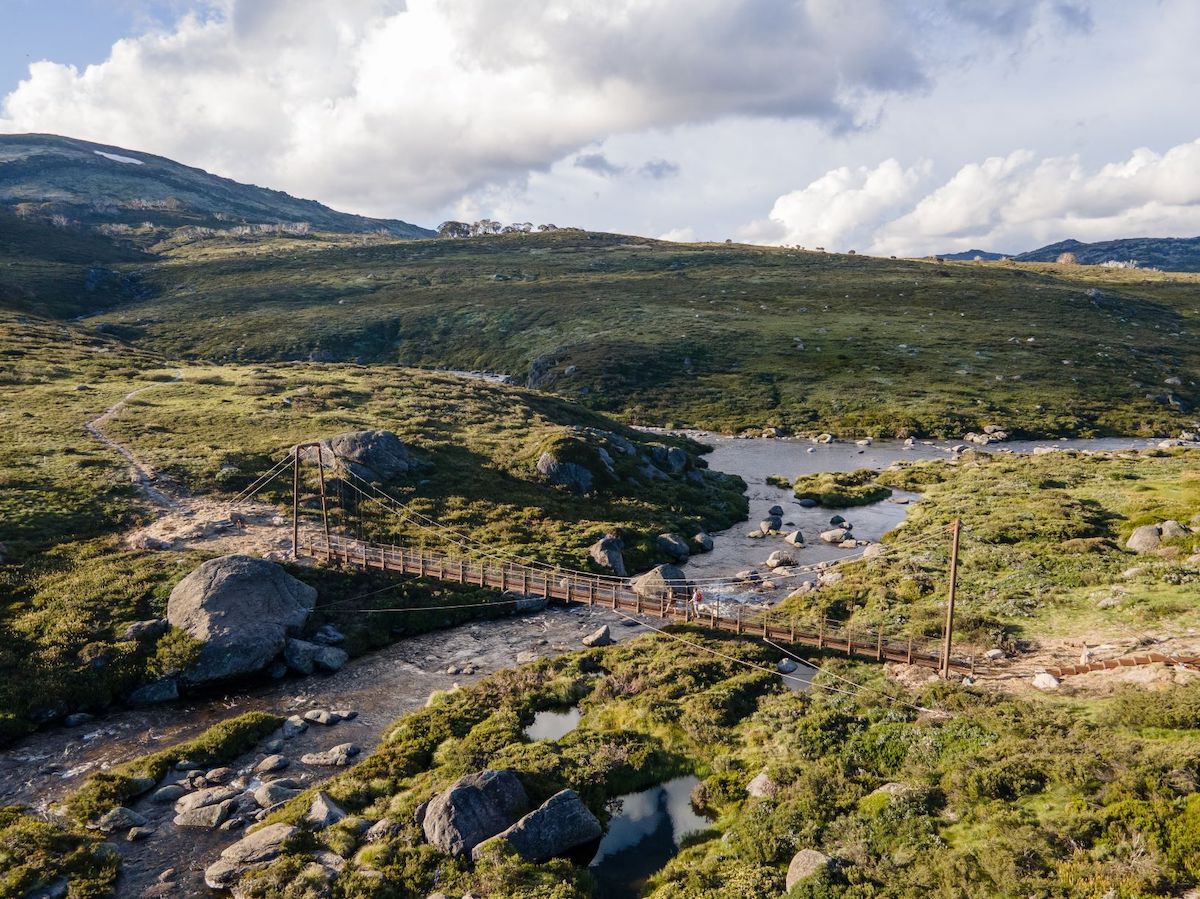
<point>893,127</point>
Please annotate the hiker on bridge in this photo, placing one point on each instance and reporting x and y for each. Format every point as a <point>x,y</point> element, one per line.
<point>697,599</point>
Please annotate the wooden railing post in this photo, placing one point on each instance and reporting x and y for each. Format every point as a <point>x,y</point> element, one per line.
<point>878,645</point>
<point>821,633</point>
<point>910,649</point>
<point>849,641</point>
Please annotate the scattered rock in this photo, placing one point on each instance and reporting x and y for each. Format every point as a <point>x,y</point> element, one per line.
<point>382,829</point>
<point>151,629</point>
<point>600,637</point>
<point>293,726</point>
<point>169,793</point>
<point>780,558</point>
<point>474,808</point>
<point>571,475</point>
<point>557,826</point>
<point>208,816</point>
<point>795,538</point>
<point>703,542</point>
<point>242,609</point>
<point>137,834</point>
<point>328,635</point>
<point>321,716</point>
<point>339,756</point>
<point>252,851</point>
<point>807,503</point>
<point>994,655</point>
<point>806,863</point>
<point>271,763</point>
<point>835,535</point>
<point>1171,529</point>
<point>1144,539</point>
<point>1044,680</point>
<point>772,524</point>
<point>874,551</point>
<point>204,797</point>
<point>659,581</point>
<point>674,546</point>
<point>275,792</point>
<point>606,552</point>
<point>324,812</point>
<point>762,787</point>
<point>119,818</point>
<point>164,690</point>
<point>786,666</point>
<point>78,719</point>
<point>376,456</point>
<point>775,510</point>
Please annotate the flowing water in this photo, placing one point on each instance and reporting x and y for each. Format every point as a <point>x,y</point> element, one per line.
<point>39,770</point>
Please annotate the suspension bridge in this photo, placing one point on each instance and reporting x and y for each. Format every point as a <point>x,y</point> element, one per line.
<point>471,562</point>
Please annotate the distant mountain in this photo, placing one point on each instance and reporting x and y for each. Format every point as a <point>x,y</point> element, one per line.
<point>969,255</point>
<point>1171,254</point>
<point>45,176</point>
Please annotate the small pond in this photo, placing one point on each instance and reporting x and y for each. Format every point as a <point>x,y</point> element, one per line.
<point>643,836</point>
<point>551,725</point>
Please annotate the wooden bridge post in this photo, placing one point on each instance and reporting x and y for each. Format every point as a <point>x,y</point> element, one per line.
<point>910,649</point>
<point>739,620</point>
<point>462,575</point>
<point>592,593</point>
<point>879,645</point>
<point>524,580</point>
<point>296,503</point>
<point>792,630</point>
<point>821,633</point>
<point>504,578</point>
<point>955,531</point>
<point>324,510</point>
<point>849,641</point>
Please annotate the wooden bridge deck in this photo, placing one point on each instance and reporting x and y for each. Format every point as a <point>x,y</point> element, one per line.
<point>614,593</point>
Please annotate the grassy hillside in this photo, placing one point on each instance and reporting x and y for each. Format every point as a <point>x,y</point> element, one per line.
<point>982,797</point>
<point>727,337</point>
<point>69,585</point>
<point>95,184</point>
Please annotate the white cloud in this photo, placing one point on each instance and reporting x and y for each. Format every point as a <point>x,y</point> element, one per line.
<point>391,108</point>
<point>1008,203</point>
<point>679,235</point>
<point>841,208</point>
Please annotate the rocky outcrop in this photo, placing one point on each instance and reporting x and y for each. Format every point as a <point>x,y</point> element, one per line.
<point>337,757</point>
<point>762,787</point>
<point>571,475</point>
<point>474,808</point>
<point>376,456</point>
<point>660,580</point>
<point>557,826</point>
<point>242,609</point>
<point>805,864</point>
<point>606,552</point>
<point>255,850</point>
<point>323,812</point>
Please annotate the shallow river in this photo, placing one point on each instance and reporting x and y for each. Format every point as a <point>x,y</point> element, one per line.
<point>39,770</point>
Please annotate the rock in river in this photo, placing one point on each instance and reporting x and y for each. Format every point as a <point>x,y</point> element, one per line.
<point>674,546</point>
<point>474,808</point>
<point>557,826</point>
<point>243,610</point>
<point>252,851</point>
<point>599,637</point>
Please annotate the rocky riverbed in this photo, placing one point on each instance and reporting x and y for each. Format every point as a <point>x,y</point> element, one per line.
<point>39,771</point>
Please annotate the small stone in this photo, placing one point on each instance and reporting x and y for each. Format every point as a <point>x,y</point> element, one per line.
<point>1044,680</point>
<point>762,787</point>
<point>119,818</point>
<point>78,719</point>
<point>272,794</point>
<point>323,812</point>
<point>321,716</point>
<point>271,763</point>
<point>208,816</point>
<point>167,875</point>
<point>139,833</point>
<point>293,726</point>
<point>169,793</point>
<point>339,756</point>
<point>786,666</point>
<point>599,637</point>
<point>994,655</point>
<point>219,775</point>
<point>382,829</point>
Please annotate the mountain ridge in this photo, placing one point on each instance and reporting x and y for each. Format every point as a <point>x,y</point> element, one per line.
<point>120,190</point>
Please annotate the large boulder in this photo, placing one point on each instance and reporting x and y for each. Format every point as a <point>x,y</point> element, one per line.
<point>606,552</point>
<point>1144,539</point>
<point>255,850</point>
<point>660,580</point>
<point>571,475</point>
<point>557,826</point>
<point>242,610</point>
<point>376,456</point>
<point>805,864</point>
<point>474,808</point>
<point>674,546</point>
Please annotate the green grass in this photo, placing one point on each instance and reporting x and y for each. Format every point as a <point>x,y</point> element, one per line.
<point>1042,548</point>
<point>70,586</point>
<point>701,334</point>
<point>35,854</point>
<point>993,786</point>
<point>841,489</point>
<point>216,746</point>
